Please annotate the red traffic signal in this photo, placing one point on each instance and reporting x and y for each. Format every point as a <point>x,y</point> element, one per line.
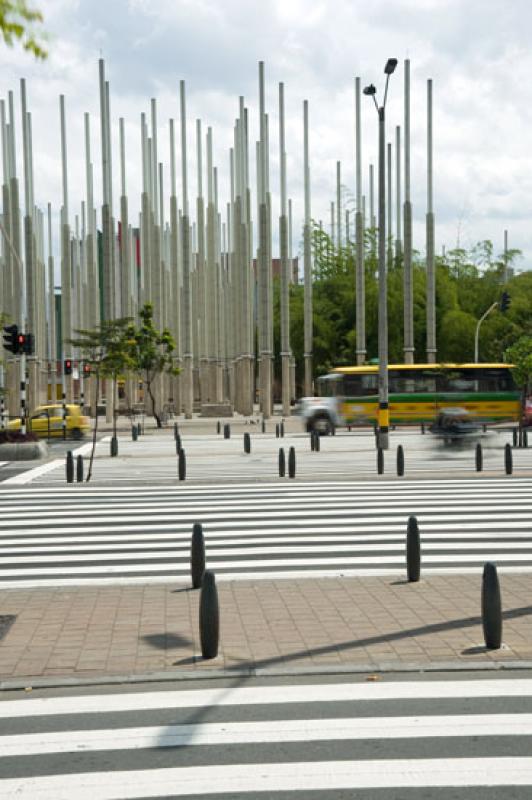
<point>86,369</point>
<point>68,366</point>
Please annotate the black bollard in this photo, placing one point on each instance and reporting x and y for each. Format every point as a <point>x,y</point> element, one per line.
<point>423,428</point>
<point>508,459</point>
<point>209,616</point>
<point>525,438</point>
<point>79,469</point>
<point>134,433</point>
<point>218,426</point>
<point>312,441</point>
<point>181,465</point>
<point>139,429</point>
<point>413,551</point>
<point>277,431</point>
<point>247,443</point>
<point>263,426</point>
<point>281,429</point>
<point>227,431</point>
<point>484,428</point>
<point>380,461</point>
<point>69,467</point>
<point>478,457</point>
<point>178,445</point>
<point>491,607</point>
<point>197,555</point>
<point>400,460</point>
<point>282,466</point>
<point>520,438</point>
<point>317,442</point>
<point>176,430</point>
<point>514,437</point>
<point>114,446</point>
<point>292,463</point>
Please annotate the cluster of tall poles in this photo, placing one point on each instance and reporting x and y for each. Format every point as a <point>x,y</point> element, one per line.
<point>207,270</point>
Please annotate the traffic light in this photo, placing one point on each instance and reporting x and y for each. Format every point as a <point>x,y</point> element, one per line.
<point>68,366</point>
<point>505,301</point>
<point>86,370</point>
<point>11,338</point>
<point>29,344</point>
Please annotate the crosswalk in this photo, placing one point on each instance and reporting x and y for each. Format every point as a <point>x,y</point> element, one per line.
<point>79,535</point>
<point>264,737</point>
<point>343,457</point>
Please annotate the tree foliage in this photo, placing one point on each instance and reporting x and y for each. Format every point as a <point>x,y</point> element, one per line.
<point>467,283</point>
<point>21,23</point>
<point>151,354</point>
<point>106,350</point>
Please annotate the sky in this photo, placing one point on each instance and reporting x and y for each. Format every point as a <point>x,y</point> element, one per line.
<point>476,52</point>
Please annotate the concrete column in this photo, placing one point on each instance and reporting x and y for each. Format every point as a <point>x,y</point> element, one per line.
<point>188,387</point>
<point>285,267</point>
<point>431,267</point>
<point>307,262</point>
<point>408,288</point>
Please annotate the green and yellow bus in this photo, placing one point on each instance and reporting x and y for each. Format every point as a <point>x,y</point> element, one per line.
<point>417,392</point>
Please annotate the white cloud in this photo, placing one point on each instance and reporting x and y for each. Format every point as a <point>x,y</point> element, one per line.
<point>482,103</point>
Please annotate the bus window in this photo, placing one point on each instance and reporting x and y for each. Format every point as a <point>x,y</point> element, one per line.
<point>361,385</point>
<point>411,381</point>
<point>495,380</point>
<point>329,385</point>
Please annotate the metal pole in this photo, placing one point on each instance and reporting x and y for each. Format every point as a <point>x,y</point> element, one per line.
<point>477,330</point>
<point>285,277</point>
<point>188,389</point>
<point>383,417</point>
<point>398,245</point>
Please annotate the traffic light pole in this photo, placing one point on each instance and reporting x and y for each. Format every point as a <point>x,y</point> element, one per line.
<point>479,323</point>
<point>23,393</point>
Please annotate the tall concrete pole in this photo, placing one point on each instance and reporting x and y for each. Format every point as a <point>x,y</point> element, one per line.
<point>201,266</point>
<point>285,277</point>
<point>408,287</point>
<point>107,226</point>
<point>93,300</point>
<point>188,387</point>
<point>52,342</point>
<point>293,278</point>
<point>338,207</point>
<point>505,259</point>
<point>125,250</point>
<point>372,219</point>
<point>383,418</point>
<point>307,262</point>
<point>431,269</point>
<point>211,275</point>
<point>174,267</point>
<point>264,259</point>
<point>66,271</point>
<point>359,238</point>
<point>398,226</point>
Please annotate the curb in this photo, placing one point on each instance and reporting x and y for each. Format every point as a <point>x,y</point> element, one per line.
<point>268,672</point>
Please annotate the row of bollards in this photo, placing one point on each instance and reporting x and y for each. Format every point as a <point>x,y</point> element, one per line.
<point>69,467</point>
<point>491,605</point>
<point>136,431</point>
<point>209,610</point>
<point>291,463</point>
<point>399,461</point>
<point>519,437</point>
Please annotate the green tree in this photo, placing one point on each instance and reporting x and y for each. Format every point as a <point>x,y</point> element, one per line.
<point>106,349</point>
<point>20,23</point>
<point>151,354</point>
<point>520,355</point>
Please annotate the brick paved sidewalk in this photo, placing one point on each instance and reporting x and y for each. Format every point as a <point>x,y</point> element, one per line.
<point>329,622</point>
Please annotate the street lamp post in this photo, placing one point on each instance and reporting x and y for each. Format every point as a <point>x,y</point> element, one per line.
<point>383,415</point>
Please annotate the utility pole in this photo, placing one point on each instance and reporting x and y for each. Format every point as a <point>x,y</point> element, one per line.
<point>359,238</point>
<point>408,289</point>
<point>307,300</point>
<point>431,276</point>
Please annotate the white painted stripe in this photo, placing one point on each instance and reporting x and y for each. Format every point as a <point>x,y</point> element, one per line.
<point>504,517</point>
<point>458,486</point>
<point>181,576</point>
<point>291,776</point>
<point>140,541</point>
<point>124,552</point>
<point>284,730</point>
<point>31,474</point>
<point>28,706</point>
<point>266,562</point>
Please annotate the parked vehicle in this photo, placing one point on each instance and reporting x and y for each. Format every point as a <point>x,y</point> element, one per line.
<point>47,421</point>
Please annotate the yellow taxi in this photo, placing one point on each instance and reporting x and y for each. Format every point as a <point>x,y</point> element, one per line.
<point>47,421</point>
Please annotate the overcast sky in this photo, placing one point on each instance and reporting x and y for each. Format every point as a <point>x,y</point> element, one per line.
<point>477,53</point>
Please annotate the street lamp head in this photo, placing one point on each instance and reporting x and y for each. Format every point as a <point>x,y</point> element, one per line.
<point>370,90</point>
<point>390,66</point>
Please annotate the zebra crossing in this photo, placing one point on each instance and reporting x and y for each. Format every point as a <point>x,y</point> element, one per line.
<point>343,457</point>
<point>258,737</point>
<point>84,534</point>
